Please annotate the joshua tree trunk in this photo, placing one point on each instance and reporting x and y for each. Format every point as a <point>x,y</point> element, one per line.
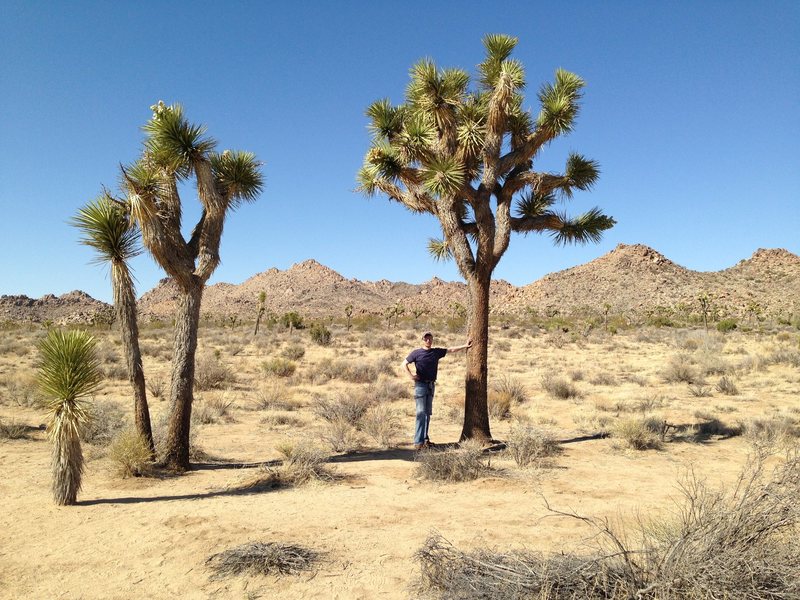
<point>476,415</point>
<point>125,302</point>
<point>187,321</point>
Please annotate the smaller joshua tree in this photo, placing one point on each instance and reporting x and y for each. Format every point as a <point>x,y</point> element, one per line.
<point>68,371</point>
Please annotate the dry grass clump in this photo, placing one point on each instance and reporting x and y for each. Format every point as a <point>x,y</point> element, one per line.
<point>342,436</point>
<point>22,391</point>
<point>106,420</point>
<point>294,351</point>
<point>212,374</point>
<point>279,367</point>
<point>559,388</point>
<point>642,433</point>
<point>282,420</point>
<point>274,396</point>
<point>13,430</point>
<point>499,404</point>
<point>680,370</point>
<point>381,423</point>
<point>357,371</point>
<point>771,431</point>
<point>130,454</point>
<point>739,544</point>
<point>465,463</point>
<point>156,386</point>
<point>213,410</point>
<point>511,386</point>
<point>603,378</point>
<point>348,406</point>
<point>263,558</point>
<point>303,462</point>
<point>531,446</point>
<point>727,386</point>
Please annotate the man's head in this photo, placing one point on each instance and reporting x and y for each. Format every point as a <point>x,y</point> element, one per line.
<point>427,339</point>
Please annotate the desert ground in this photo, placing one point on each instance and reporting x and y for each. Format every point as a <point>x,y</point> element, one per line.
<point>703,402</point>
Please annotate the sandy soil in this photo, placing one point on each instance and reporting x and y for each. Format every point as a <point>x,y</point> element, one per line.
<point>150,537</point>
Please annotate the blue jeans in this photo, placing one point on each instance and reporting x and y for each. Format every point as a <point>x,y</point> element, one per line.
<point>423,397</point>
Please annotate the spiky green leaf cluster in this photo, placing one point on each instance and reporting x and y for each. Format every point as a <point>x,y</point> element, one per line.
<point>68,366</point>
<point>173,142</point>
<point>498,48</point>
<point>106,227</point>
<point>583,229</point>
<point>581,171</point>
<point>443,176</point>
<point>238,175</point>
<point>439,250</point>
<point>560,103</point>
<point>535,205</point>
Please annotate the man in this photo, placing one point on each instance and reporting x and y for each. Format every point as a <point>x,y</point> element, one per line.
<point>426,366</point>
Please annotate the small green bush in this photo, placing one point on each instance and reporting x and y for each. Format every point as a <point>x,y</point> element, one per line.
<point>293,352</point>
<point>320,334</point>
<point>130,454</point>
<point>279,367</point>
<point>639,433</point>
<point>529,445</point>
<point>559,388</point>
<point>726,325</point>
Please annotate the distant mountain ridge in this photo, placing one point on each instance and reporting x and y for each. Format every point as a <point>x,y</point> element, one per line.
<point>631,279</point>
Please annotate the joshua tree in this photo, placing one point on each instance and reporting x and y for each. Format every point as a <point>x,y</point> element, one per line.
<point>174,151</point>
<point>466,156</point>
<point>68,371</point>
<point>262,308</point>
<point>348,311</point>
<point>107,228</point>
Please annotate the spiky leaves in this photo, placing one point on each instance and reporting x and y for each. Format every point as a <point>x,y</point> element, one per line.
<point>172,142</point>
<point>68,371</point>
<point>560,102</point>
<point>106,227</point>
<point>238,176</point>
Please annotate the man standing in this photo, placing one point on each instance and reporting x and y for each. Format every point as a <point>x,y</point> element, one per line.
<point>426,363</point>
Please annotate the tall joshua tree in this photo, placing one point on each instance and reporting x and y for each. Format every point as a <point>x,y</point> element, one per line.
<point>107,227</point>
<point>68,371</point>
<point>174,151</point>
<point>466,157</point>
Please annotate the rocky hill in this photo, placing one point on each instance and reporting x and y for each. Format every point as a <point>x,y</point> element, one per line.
<point>631,279</point>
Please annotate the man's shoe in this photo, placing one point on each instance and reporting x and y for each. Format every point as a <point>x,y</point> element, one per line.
<point>419,447</point>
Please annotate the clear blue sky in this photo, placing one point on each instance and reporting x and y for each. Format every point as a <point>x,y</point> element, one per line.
<point>691,108</point>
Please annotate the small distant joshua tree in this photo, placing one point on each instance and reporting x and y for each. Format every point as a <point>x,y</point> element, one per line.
<point>705,307</point>
<point>262,308</point>
<point>69,370</point>
<point>417,313</point>
<point>348,311</point>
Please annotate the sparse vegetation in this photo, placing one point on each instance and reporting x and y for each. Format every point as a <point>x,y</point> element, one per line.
<point>531,446</point>
<point>131,454</point>
<point>464,463</point>
<point>264,558</point>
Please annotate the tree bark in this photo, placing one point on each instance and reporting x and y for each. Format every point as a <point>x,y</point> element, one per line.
<point>187,321</point>
<point>476,410</point>
<point>126,313</point>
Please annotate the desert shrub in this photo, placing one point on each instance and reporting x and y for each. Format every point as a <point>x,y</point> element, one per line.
<point>603,378</point>
<point>263,558</point>
<point>680,370</point>
<point>699,390</point>
<point>320,334</point>
<point>576,375</point>
<point>639,433</point>
<point>529,445</point>
<point>13,430</point>
<point>156,386</point>
<point>304,461</point>
<point>115,371</point>
<point>294,351</point>
<point>727,386</point>
<point>274,396</point>
<point>784,356</point>
<point>23,391</point>
<point>502,346</point>
<point>389,389</point>
<point>381,342</point>
<point>508,384</point>
<point>348,406</point>
<point>130,454</point>
<point>464,463</point>
<point>282,420</point>
<point>279,367</point>
<point>639,380</point>
<point>737,544</point>
<point>771,431</point>
<point>341,435</point>
<point>726,325</point>
<point>211,374</point>
<point>353,371</point>
<point>499,404</point>
<point>559,388</point>
<point>212,410</point>
<point>592,422</point>
<point>381,423</point>
<point>106,420</point>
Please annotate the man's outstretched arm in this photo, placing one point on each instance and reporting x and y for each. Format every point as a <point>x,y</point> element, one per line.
<point>466,346</point>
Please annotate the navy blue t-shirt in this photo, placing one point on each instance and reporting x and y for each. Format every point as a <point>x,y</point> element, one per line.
<point>426,362</point>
